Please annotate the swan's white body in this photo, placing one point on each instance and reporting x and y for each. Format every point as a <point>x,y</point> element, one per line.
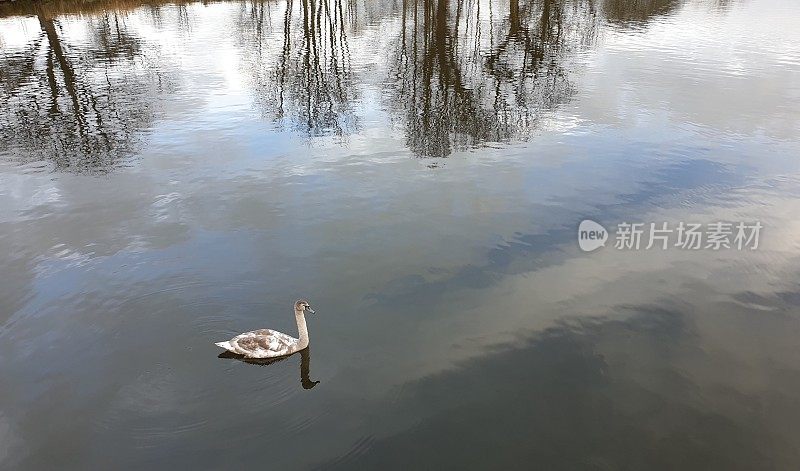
<point>268,343</point>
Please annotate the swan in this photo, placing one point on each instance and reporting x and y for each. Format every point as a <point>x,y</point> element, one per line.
<point>268,343</point>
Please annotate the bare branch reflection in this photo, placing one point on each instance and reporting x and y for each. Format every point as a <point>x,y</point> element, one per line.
<point>77,104</point>
<point>308,87</point>
<point>458,73</point>
<point>469,72</point>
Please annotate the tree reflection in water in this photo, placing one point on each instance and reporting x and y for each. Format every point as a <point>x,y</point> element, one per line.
<point>636,11</point>
<point>308,87</point>
<point>461,72</point>
<point>453,74</point>
<point>77,104</point>
<point>470,72</point>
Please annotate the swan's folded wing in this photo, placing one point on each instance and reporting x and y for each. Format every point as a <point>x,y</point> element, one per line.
<point>263,343</point>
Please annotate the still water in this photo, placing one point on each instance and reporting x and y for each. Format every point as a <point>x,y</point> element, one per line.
<point>172,174</point>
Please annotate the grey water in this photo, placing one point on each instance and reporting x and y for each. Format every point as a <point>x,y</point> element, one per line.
<point>172,174</point>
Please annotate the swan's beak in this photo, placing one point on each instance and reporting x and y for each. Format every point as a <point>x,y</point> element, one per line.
<point>308,308</point>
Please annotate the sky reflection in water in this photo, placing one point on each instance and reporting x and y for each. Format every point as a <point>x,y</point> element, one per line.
<point>172,174</point>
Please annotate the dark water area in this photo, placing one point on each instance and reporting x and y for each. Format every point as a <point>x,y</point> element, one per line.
<point>172,174</point>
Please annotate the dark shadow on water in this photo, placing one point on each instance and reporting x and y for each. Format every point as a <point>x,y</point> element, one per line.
<point>626,393</point>
<point>305,364</point>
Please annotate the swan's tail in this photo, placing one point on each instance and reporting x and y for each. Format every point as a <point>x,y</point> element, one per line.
<point>226,345</point>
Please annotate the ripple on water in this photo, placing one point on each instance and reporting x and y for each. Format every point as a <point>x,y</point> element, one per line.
<point>303,419</point>
<point>359,447</point>
<point>164,404</point>
<point>154,407</point>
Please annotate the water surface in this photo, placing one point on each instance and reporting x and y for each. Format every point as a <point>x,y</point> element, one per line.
<point>172,174</point>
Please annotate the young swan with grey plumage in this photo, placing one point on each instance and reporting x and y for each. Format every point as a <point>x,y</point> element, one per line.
<point>268,343</point>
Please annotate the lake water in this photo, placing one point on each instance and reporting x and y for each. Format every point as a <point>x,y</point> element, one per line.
<point>172,174</point>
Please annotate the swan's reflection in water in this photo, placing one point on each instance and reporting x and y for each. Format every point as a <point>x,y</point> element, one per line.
<point>305,364</point>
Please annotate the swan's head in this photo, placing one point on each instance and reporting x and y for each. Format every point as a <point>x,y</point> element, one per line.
<point>302,306</point>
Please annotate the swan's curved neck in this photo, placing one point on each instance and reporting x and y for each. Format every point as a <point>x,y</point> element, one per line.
<point>302,330</point>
